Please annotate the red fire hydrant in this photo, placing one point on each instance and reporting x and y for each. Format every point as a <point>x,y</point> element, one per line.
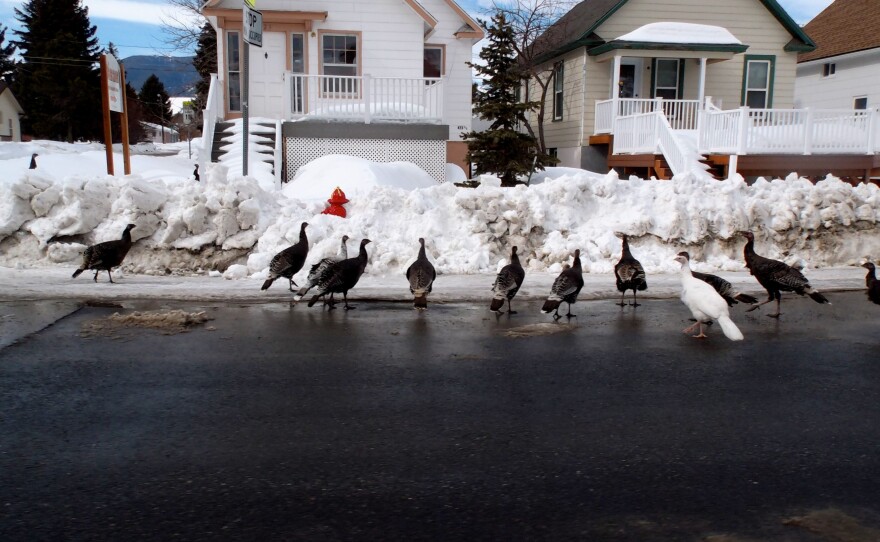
<point>336,200</point>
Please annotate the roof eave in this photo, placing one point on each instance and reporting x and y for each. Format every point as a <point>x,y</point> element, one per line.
<point>645,45</point>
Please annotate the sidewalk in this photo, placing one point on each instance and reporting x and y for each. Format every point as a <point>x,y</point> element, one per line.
<point>56,283</point>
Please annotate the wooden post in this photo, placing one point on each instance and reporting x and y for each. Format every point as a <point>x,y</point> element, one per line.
<point>108,130</point>
<point>126,152</point>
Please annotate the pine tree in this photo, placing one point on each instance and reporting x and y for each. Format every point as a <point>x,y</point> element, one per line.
<point>58,80</point>
<point>154,100</point>
<point>502,149</point>
<point>7,64</point>
<point>205,63</point>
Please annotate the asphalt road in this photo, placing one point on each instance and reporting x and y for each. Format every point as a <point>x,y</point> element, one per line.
<point>274,422</point>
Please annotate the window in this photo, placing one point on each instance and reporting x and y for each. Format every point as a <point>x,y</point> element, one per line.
<point>666,78</point>
<point>298,67</point>
<point>433,63</point>
<point>553,151</point>
<point>860,103</point>
<point>558,84</point>
<point>828,69</point>
<point>233,71</point>
<point>339,54</point>
<point>758,74</point>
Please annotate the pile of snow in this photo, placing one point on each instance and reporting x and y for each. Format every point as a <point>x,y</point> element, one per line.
<point>234,225</point>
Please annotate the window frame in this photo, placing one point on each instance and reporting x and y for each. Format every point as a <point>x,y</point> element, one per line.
<point>829,69</point>
<point>354,89</point>
<point>771,76</point>
<point>679,77</point>
<point>442,48</point>
<point>558,90</point>
<point>856,99</point>
<point>233,34</point>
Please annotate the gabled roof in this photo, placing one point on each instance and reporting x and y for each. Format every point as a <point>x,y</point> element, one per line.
<point>846,26</point>
<point>4,88</point>
<point>578,28</point>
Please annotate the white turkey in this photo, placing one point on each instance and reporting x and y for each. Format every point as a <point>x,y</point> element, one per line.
<point>705,304</point>
<point>507,284</point>
<point>565,288</point>
<point>421,275</point>
<point>722,286</point>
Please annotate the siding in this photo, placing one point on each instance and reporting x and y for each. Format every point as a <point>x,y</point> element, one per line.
<point>748,20</point>
<point>854,76</point>
<point>564,133</point>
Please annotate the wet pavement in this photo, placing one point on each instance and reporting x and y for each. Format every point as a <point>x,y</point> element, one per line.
<point>287,423</point>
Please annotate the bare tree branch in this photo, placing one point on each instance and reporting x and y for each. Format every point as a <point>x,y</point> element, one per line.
<point>182,29</point>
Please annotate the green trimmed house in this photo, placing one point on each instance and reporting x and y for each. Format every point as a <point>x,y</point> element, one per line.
<point>658,87</point>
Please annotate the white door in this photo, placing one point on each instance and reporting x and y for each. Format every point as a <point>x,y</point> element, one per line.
<point>267,64</point>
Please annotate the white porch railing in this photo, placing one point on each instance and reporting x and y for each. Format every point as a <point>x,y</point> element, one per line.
<point>213,111</point>
<point>363,98</point>
<point>681,114</point>
<point>650,133</point>
<point>790,131</point>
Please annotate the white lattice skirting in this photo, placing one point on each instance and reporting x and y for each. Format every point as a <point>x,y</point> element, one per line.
<point>429,155</point>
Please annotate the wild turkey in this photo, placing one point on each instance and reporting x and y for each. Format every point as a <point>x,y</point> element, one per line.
<point>724,288</point>
<point>342,277</point>
<point>776,277</point>
<point>705,303</point>
<point>289,261</point>
<point>872,283</point>
<point>421,275</point>
<point>319,268</point>
<point>630,275</point>
<point>107,255</point>
<point>566,288</point>
<point>196,173</point>
<point>507,284</point>
<point>33,164</point>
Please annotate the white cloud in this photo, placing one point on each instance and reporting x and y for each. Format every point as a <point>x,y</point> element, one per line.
<point>134,11</point>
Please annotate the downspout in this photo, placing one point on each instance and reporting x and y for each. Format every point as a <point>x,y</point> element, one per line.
<point>583,107</point>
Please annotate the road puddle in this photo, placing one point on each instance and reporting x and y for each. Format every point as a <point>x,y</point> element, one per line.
<point>538,330</point>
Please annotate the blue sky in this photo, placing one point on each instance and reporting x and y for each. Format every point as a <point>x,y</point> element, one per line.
<point>135,26</point>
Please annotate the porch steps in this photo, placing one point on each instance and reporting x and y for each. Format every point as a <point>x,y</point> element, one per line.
<point>264,146</point>
<point>716,166</point>
<point>661,168</point>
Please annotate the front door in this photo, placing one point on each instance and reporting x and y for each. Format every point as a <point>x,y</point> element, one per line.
<point>267,65</point>
<point>630,83</point>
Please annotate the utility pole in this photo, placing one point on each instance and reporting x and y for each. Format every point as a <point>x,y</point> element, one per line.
<point>253,35</point>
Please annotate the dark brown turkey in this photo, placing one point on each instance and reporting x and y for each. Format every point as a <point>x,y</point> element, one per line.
<point>421,275</point>
<point>107,255</point>
<point>872,283</point>
<point>318,269</point>
<point>507,284</point>
<point>776,277</point>
<point>289,261</point>
<point>565,288</point>
<point>723,287</point>
<point>630,275</point>
<point>341,277</point>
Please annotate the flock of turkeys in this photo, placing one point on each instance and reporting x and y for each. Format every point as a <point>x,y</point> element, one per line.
<point>707,296</point>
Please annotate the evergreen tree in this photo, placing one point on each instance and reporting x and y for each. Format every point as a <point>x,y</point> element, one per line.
<point>205,63</point>
<point>155,102</point>
<point>7,64</point>
<point>501,149</point>
<point>58,80</point>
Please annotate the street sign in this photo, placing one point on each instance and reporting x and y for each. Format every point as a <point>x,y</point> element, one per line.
<point>253,26</point>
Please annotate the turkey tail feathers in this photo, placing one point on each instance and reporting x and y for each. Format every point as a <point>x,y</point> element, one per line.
<point>77,272</point>
<point>729,329</point>
<point>314,300</point>
<point>497,303</point>
<point>420,301</point>
<point>266,284</point>
<point>746,298</point>
<point>818,298</point>
<point>550,305</point>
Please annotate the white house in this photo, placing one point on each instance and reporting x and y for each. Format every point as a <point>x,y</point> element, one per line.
<point>10,114</point>
<point>384,79</point>
<point>844,70</point>
<point>658,87</point>
<point>157,133</point>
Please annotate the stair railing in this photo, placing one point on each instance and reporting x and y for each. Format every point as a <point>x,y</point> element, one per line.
<point>213,111</point>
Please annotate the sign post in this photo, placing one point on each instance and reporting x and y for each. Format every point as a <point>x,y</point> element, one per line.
<point>253,35</point>
<point>113,98</point>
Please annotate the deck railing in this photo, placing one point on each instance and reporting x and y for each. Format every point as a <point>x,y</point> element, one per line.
<point>790,131</point>
<point>681,114</point>
<point>651,133</point>
<point>363,98</point>
<point>210,115</point>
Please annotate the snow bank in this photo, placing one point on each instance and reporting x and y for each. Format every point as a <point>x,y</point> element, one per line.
<point>235,225</point>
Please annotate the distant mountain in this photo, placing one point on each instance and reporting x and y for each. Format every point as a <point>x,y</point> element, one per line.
<point>176,73</point>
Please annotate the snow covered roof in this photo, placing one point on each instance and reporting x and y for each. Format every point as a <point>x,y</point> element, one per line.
<point>684,33</point>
